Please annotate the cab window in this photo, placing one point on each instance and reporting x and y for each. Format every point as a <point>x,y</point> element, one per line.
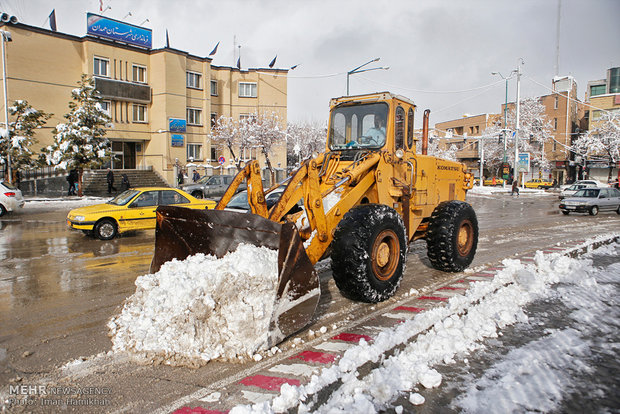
<point>399,128</point>
<point>410,129</point>
<point>358,126</point>
<point>172,197</point>
<point>146,199</point>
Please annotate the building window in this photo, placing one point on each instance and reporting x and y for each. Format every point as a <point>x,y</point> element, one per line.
<point>247,90</point>
<point>100,67</point>
<point>194,80</point>
<point>213,88</point>
<point>213,153</point>
<point>194,116</point>
<point>555,105</point>
<point>555,124</point>
<point>194,152</point>
<point>598,90</point>
<point>139,73</point>
<point>213,119</point>
<point>246,118</point>
<point>139,113</point>
<point>105,107</point>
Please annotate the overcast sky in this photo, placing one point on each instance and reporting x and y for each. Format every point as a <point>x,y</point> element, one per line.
<point>440,53</point>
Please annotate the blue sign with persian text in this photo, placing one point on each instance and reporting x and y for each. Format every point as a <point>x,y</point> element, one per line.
<point>115,30</point>
<point>176,140</point>
<point>177,125</point>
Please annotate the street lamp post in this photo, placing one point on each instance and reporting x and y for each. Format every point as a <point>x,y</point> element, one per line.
<point>505,113</point>
<point>357,70</point>
<point>519,63</point>
<point>6,37</point>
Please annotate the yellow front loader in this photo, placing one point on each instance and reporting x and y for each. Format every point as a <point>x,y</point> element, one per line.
<point>364,200</point>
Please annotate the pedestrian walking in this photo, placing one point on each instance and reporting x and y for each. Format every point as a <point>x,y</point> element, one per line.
<point>196,176</point>
<point>125,183</point>
<point>72,178</point>
<point>180,177</point>
<point>110,179</point>
<point>515,188</point>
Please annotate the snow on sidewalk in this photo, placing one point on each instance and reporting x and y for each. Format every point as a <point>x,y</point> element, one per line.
<point>440,335</point>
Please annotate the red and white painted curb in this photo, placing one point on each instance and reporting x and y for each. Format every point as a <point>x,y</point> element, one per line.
<point>299,368</point>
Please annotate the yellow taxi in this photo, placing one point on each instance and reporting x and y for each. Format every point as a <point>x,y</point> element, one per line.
<point>538,183</point>
<point>133,209</point>
<point>498,181</point>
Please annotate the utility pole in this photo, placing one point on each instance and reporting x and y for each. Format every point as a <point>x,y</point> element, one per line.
<point>6,37</point>
<point>519,63</point>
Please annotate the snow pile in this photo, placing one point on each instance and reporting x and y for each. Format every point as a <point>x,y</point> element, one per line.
<point>201,308</point>
<point>443,334</point>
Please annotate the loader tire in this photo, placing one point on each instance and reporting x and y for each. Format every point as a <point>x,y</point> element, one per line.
<point>452,236</point>
<point>368,253</point>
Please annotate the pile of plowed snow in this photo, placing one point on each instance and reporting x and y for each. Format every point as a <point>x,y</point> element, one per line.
<point>201,308</point>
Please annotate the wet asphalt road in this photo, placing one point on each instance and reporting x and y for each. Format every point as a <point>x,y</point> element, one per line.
<point>58,289</point>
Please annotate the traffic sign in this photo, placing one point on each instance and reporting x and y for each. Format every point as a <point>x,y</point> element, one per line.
<point>221,160</point>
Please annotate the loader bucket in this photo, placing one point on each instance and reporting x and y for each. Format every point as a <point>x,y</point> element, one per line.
<point>182,232</point>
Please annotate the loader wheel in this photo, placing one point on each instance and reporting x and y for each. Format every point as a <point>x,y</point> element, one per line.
<point>368,253</point>
<point>452,236</point>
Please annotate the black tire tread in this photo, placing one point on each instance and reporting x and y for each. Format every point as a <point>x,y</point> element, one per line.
<point>441,236</point>
<point>351,249</point>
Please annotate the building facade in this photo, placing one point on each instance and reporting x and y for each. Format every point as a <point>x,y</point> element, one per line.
<point>602,97</point>
<point>562,109</point>
<point>162,101</point>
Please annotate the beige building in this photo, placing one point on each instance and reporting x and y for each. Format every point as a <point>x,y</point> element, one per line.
<point>145,91</point>
<point>465,133</point>
<point>602,96</point>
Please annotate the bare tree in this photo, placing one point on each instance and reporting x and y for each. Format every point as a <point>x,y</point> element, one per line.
<point>604,139</point>
<point>304,140</point>
<point>266,132</point>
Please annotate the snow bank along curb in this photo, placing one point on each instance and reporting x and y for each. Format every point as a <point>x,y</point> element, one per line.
<point>345,365</point>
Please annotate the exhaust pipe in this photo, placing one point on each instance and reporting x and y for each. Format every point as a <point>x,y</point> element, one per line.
<point>427,113</point>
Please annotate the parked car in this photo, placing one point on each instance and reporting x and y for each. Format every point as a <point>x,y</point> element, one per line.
<point>538,183</point>
<point>498,181</point>
<point>11,198</point>
<point>133,209</point>
<point>592,200</point>
<point>595,183</point>
<point>211,186</point>
<point>239,202</point>
<point>572,189</point>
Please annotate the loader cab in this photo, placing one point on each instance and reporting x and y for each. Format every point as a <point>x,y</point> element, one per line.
<point>355,126</point>
<point>367,122</point>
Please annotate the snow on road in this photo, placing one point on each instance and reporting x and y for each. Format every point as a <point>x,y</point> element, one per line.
<point>533,377</point>
<point>201,308</point>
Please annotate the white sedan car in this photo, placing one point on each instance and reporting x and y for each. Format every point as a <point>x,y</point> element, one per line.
<point>10,198</point>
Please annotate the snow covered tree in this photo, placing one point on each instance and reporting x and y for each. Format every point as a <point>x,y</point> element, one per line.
<point>603,139</point>
<point>80,142</point>
<point>21,134</point>
<point>535,130</point>
<point>494,149</point>
<point>304,140</point>
<point>266,133</point>
<point>232,135</point>
<point>436,151</point>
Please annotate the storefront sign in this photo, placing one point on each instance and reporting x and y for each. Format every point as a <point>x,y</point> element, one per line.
<point>115,30</point>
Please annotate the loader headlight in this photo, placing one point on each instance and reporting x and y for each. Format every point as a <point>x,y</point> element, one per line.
<point>399,154</point>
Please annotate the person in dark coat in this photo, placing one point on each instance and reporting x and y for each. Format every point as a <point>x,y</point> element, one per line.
<point>72,178</point>
<point>196,176</point>
<point>515,188</point>
<point>180,177</point>
<point>110,179</point>
<point>125,183</point>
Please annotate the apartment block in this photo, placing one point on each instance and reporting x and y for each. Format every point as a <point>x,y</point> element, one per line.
<point>162,102</point>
